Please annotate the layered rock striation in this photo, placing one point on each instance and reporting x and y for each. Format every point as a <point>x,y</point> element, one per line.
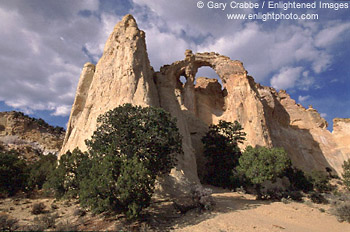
<point>270,118</point>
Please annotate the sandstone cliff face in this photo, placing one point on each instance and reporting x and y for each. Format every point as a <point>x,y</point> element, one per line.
<point>123,75</point>
<point>270,118</point>
<point>29,136</point>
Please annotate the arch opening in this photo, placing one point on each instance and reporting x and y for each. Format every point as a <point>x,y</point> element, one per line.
<point>208,72</point>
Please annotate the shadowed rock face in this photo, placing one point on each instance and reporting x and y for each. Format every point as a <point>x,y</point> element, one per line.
<point>270,118</point>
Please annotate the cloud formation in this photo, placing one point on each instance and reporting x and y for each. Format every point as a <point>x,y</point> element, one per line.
<point>45,44</point>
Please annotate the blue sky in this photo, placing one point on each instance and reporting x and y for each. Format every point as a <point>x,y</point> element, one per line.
<point>45,43</point>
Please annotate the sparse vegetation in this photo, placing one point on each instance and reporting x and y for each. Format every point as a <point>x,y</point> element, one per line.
<point>342,212</point>
<point>39,121</point>
<point>38,208</point>
<point>298,180</point>
<point>66,226</point>
<point>320,181</point>
<point>202,197</point>
<point>65,180</point>
<point>79,212</point>
<point>7,223</point>
<point>131,147</point>
<point>41,170</point>
<point>346,173</point>
<point>318,198</point>
<point>261,164</point>
<point>13,173</point>
<point>222,151</point>
<point>46,221</point>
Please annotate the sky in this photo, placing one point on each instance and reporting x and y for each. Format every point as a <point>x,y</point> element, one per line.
<point>45,43</point>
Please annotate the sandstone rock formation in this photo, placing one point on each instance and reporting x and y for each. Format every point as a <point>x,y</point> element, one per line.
<point>122,75</point>
<point>270,118</point>
<point>29,136</point>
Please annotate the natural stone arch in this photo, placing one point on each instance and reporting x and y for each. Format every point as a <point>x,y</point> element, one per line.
<point>225,68</point>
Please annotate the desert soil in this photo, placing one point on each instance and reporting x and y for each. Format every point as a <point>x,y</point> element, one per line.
<point>233,212</point>
<point>241,212</point>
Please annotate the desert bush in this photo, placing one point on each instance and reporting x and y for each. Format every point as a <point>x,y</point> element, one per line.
<point>66,226</point>
<point>275,190</point>
<point>13,173</point>
<point>262,164</point>
<point>130,148</point>
<point>7,223</point>
<point>54,206</point>
<point>295,196</point>
<point>41,170</point>
<point>65,180</point>
<point>222,152</point>
<point>79,212</point>
<point>342,212</point>
<point>299,181</point>
<point>318,198</point>
<point>320,181</point>
<point>346,173</point>
<point>33,227</point>
<point>202,197</point>
<point>46,221</point>
<point>38,208</point>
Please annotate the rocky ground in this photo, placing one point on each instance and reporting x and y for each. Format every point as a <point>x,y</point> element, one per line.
<point>233,212</point>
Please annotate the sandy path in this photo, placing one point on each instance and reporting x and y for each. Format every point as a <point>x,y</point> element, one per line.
<point>237,212</point>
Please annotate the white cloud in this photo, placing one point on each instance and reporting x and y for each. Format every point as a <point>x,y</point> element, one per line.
<point>164,48</point>
<point>302,99</point>
<point>184,16</point>
<point>286,78</point>
<point>267,51</point>
<point>323,115</point>
<point>42,42</point>
<point>41,52</point>
<point>306,81</point>
<point>62,111</point>
<point>328,36</point>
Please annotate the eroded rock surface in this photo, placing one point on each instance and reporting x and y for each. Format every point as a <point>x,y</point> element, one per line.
<point>29,136</point>
<point>270,118</point>
<point>122,75</point>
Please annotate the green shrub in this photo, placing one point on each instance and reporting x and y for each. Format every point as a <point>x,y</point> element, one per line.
<point>130,148</point>
<point>295,196</point>
<point>149,133</point>
<point>320,181</point>
<point>222,152</point>
<point>298,180</point>
<point>346,173</point>
<point>41,170</point>
<point>66,178</point>
<point>13,173</point>
<point>262,164</point>
<point>318,198</point>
